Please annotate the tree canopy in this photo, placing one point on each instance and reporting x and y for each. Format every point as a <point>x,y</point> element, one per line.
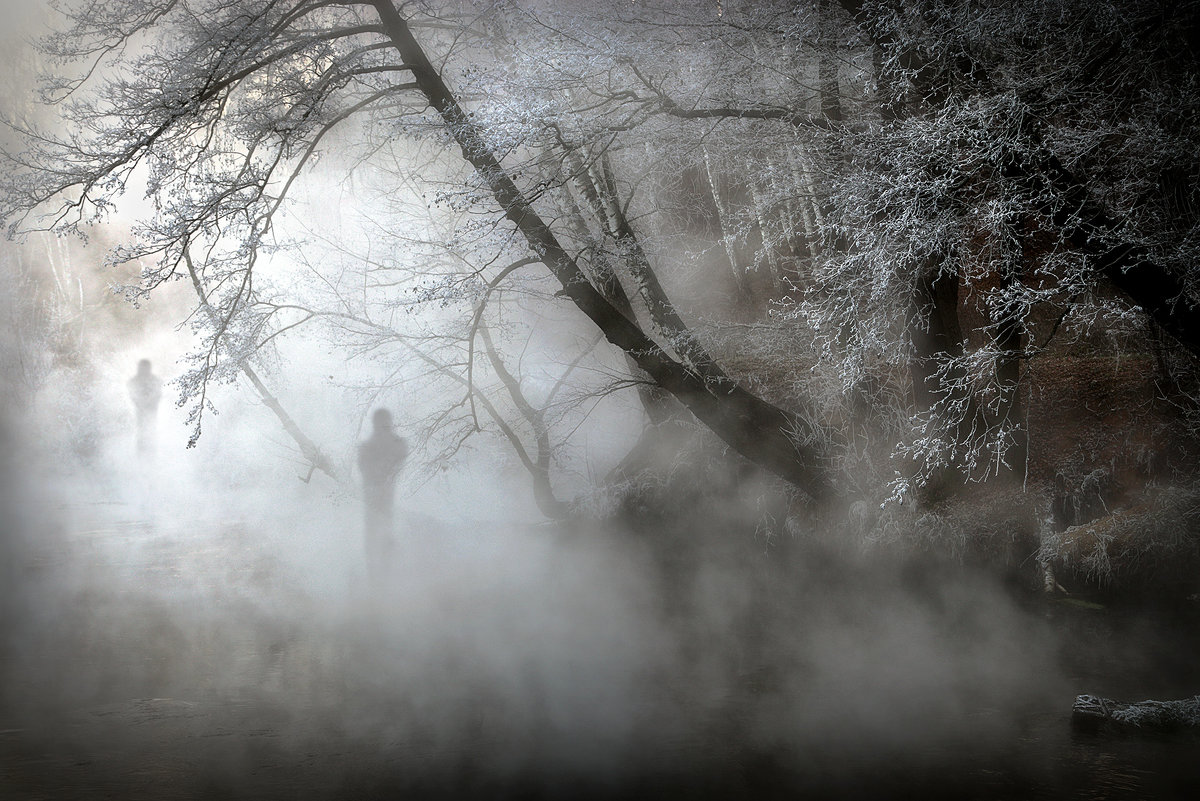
<point>906,204</point>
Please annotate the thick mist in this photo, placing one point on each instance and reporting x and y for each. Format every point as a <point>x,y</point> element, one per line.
<point>210,628</point>
<point>224,639</point>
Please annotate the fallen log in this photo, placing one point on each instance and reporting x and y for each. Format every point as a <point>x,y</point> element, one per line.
<point>1092,713</point>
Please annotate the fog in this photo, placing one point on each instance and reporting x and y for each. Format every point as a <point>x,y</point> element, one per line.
<point>203,622</point>
<point>222,638</point>
<point>208,630</point>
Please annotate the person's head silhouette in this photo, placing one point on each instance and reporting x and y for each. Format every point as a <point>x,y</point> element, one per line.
<point>382,420</point>
<point>144,367</point>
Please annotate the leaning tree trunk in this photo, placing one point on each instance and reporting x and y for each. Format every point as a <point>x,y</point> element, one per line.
<point>758,430</point>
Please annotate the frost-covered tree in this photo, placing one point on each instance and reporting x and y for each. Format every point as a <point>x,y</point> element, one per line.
<point>940,192</point>
<point>984,180</point>
<point>871,174</point>
<point>1024,161</point>
<point>222,107</point>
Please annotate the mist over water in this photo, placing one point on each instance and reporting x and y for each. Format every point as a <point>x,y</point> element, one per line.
<point>209,628</point>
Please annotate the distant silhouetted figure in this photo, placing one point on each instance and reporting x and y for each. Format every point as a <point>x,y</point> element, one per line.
<point>379,460</point>
<point>145,389</point>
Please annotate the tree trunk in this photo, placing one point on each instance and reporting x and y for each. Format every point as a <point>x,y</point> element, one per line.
<point>658,405</point>
<point>763,433</point>
<point>1009,338</point>
<point>727,233</point>
<point>937,301</point>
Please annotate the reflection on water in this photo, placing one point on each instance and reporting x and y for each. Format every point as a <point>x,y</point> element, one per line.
<point>239,657</point>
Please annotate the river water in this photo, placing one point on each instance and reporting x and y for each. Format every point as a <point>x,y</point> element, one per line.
<point>245,658</point>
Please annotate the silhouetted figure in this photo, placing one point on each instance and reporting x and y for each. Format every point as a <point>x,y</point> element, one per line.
<point>379,460</point>
<point>145,389</point>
